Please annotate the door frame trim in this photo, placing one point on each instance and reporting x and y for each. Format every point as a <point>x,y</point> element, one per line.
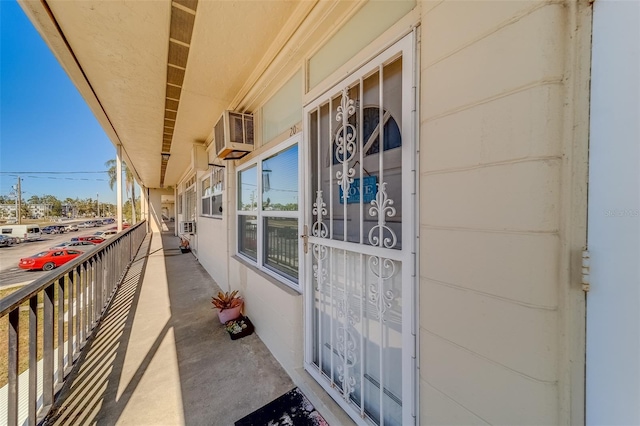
<point>406,47</point>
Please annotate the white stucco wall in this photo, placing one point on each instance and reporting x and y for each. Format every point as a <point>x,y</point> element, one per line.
<point>496,230</point>
<point>502,212</point>
<point>152,207</point>
<point>275,310</point>
<point>213,249</point>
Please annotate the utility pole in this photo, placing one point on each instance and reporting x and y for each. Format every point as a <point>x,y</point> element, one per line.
<point>98,203</point>
<point>19,203</point>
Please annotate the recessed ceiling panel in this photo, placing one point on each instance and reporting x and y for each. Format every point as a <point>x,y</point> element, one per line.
<point>181,25</point>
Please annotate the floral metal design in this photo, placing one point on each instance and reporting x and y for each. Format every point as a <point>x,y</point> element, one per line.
<point>382,207</point>
<point>319,228</point>
<point>344,310</point>
<point>384,271</point>
<point>319,272</point>
<point>345,143</point>
<point>347,352</point>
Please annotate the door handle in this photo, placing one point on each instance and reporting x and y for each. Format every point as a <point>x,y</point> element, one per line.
<point>305,239</point>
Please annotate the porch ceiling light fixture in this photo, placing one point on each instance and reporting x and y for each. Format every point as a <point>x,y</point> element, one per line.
<point>165,156</point>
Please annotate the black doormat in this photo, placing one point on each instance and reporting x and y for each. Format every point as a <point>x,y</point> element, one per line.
<point>291,409</point>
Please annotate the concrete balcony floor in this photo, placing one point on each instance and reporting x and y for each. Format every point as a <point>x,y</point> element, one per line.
<point>161,357</point>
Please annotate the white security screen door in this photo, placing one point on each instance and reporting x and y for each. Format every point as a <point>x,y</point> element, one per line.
<point>360,263</point>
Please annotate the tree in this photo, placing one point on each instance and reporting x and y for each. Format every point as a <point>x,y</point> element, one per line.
<point>129,181</point>
<point>24,211</point>
<point>127,210</point>
<point>34,199</point>
<point>56,205</point>
<point>71,206</point>
<point>56,209</point>
<point>86,206</point>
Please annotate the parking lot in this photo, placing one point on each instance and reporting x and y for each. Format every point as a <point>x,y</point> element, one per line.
<point>11,274</point>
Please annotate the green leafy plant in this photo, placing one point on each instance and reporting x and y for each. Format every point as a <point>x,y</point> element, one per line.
<point>226,300</point>
<point>236,326</point>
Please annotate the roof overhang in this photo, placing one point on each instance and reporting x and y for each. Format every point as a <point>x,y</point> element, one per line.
<point>158,74</point>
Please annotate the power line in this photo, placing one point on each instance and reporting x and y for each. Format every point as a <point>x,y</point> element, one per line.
<point>53,173</point>
<point>18,174</point>
<point>59,178</point>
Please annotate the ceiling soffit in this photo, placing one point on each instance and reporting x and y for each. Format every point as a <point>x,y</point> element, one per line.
<point>157,87</point>
<point>229,41</point>
<point>183,16</point>
<point>104,39</point>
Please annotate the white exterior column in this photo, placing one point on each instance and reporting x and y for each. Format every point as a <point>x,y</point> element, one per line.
<point>154,206</point>
<point>119,186</point>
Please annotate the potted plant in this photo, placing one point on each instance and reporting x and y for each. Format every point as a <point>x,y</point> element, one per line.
<point>239,327</point>
<point>229,305</point>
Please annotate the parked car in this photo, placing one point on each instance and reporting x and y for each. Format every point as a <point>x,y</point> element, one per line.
<point>56,229</point>
<point>75,244</point>
<point>88,224</point>
<point>8,241</point>
<point>124,226</point>
<point>105,234</point>
<point>53,229</point>
<point>92,238</point>
<point>48,230</point>
<point>108,221</point>
<point>47,260</point>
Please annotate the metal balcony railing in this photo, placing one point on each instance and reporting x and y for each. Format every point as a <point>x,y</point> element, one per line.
<point>64,306</point>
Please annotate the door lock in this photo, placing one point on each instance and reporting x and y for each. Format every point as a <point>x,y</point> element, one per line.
<point>305,239</point>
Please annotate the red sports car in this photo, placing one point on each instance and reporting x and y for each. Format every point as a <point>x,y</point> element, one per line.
<point>47,260</point>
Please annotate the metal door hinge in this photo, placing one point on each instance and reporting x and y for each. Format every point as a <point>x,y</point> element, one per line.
<point>586,271</point>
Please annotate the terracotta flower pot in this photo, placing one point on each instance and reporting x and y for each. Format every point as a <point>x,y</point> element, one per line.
<point>229,314</point>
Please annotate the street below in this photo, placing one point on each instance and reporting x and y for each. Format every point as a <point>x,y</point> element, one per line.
<point>11,274</point>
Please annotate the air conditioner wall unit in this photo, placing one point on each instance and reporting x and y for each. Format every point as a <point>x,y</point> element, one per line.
<point>188,227</point>
<point>233,135</point>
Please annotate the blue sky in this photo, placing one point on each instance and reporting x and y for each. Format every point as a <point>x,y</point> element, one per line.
<point>45,125</point>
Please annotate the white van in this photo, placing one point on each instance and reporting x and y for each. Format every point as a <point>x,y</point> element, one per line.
<point>23,232</point>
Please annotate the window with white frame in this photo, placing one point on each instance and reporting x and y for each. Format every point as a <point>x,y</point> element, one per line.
<point>206,196</point>
<point>212,186</point>
<point>190,207</point>
<point>190,204</point>
<point>268,211</point>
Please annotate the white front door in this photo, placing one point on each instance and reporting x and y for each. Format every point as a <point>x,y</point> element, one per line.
<point>360,267</point>
<point>613,303</point>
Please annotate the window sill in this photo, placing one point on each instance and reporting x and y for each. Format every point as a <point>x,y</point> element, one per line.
<point>211,217</point>
<point>270,278</point>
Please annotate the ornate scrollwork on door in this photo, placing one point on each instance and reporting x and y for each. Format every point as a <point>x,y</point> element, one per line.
<point>346,346</point>
<point>344,310</point>
<point>345,143</point>
<point>319,228</point>
<point>382,207</point>
<point>319,271</point>
<point>384,271</point>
